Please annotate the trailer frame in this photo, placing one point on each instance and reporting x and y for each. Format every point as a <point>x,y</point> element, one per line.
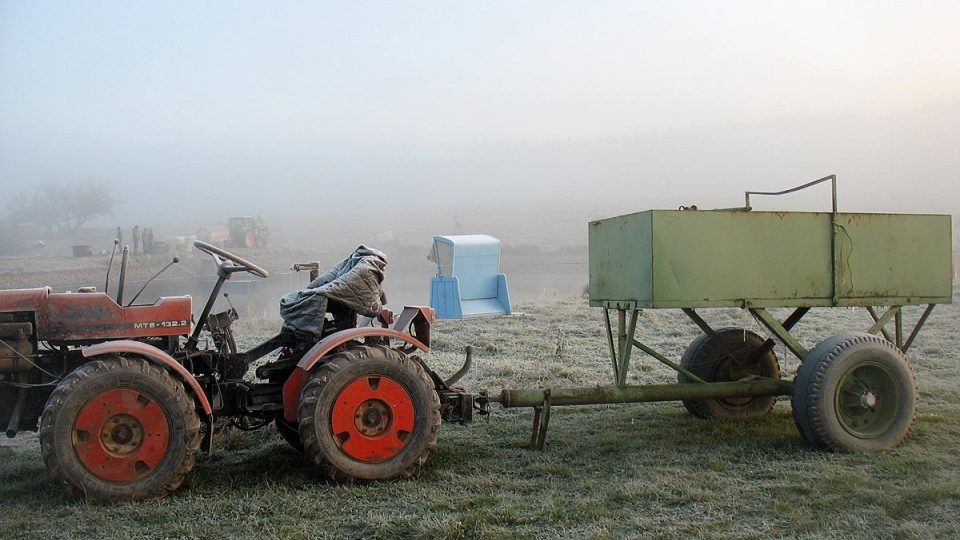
<point>622,341</point>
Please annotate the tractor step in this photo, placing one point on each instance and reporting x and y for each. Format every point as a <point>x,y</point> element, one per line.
<point>277,370</point>
<point>263,397</point>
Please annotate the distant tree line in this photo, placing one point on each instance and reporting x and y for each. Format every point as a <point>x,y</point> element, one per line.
<point>56,207</point>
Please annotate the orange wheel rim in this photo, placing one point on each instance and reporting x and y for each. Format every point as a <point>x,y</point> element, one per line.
<point>121,435</point>
<point>372,419</point>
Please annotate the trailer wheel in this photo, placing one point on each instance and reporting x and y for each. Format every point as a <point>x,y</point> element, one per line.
<point>728,356</point>
<point>119,429</point>
<point>853,393</point>
<point>369,413</point>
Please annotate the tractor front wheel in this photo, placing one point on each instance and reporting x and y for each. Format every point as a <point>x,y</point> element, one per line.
<point>369,413</point>
<point>119,429</point>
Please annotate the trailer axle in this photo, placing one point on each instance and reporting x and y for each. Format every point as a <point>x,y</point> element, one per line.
<point>544,398</point>
<point>599,395</point>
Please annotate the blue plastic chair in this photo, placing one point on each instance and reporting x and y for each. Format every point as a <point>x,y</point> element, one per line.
<point>468,281</point>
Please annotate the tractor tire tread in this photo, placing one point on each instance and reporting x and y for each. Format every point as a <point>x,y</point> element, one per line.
<point>310,397</point>
<point>109,493</point>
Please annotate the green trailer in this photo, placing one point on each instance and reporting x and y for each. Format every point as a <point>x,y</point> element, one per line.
<point>853,391</point>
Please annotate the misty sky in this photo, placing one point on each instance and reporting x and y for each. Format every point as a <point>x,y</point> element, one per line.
<point>303,106</point>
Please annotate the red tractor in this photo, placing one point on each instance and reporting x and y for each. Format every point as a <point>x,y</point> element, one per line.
<point>125,396</point>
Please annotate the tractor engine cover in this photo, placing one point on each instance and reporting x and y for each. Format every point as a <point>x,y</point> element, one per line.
<point>92,317</point>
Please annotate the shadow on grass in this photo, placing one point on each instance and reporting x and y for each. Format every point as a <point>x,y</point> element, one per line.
<point>597,438</point>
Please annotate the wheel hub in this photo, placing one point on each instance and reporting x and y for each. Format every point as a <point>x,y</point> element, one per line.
<point>372,419</point>
<point>121,434</point>
<point>867,400</point>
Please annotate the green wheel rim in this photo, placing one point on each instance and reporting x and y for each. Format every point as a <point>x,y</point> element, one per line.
<point>867,400</point>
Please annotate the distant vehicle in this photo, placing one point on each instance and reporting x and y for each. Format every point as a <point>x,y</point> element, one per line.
<point>240,231</point>
<point>248,232</point>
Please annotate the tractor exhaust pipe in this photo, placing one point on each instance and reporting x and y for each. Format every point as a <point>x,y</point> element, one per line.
<point>14,425</point>
<point>123,273</point>
<point>116,243</point>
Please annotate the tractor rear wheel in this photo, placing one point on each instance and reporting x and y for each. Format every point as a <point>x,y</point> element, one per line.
<point>854,393</point>
<point>369,413</point>
<point>119,429</point>
<point>729,355</point>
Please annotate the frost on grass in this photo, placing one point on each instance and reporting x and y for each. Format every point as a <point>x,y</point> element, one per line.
<point>608,471</point>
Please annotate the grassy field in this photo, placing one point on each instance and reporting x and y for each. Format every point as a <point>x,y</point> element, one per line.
<point>644,470</point>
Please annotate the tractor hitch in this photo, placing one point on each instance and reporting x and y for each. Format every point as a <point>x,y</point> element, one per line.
<point>456,404</point>
<point>462,407</point>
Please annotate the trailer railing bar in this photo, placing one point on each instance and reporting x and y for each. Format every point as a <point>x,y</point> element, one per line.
<point>882,321</point>
<point>626,344</point>
<point>876,318</point>
<point>832,178</point>
<point>698,320</point>
<point>916,328</point>
<point>676,367</point>
<point>621,341</point>
<point>535,432</point>
<point>774,326</point>
<point>770,343</point>
<point>732,209</point>
<point>613,351</point>
<point>898,328</point>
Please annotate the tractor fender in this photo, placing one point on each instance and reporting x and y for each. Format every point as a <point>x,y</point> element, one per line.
<point>294,384</point>
<point>155,355</point>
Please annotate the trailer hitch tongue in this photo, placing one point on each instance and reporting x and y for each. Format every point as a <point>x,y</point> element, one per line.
<point>467,363</point>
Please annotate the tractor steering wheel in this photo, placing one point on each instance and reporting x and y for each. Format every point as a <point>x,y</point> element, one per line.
<point>242,264</point>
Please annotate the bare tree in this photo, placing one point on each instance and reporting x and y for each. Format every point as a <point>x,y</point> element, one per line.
<point>57,207</point>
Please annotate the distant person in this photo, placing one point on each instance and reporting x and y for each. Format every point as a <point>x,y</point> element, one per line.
<point>136,239</point>
<point>119,236</point>
<point>148,240</point>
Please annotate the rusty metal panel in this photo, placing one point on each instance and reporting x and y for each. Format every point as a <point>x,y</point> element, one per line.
<point>702,257</point>
<point>92,316</point>
<point>22,299</point>
<point>672,258</point>
<point>894,256</point>
<point>621,260</point>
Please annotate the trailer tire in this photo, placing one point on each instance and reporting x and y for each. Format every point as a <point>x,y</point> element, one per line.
<point>855,392</point>
<point>369,413</point>
<point>713,359</point>
<point>119,429</point>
